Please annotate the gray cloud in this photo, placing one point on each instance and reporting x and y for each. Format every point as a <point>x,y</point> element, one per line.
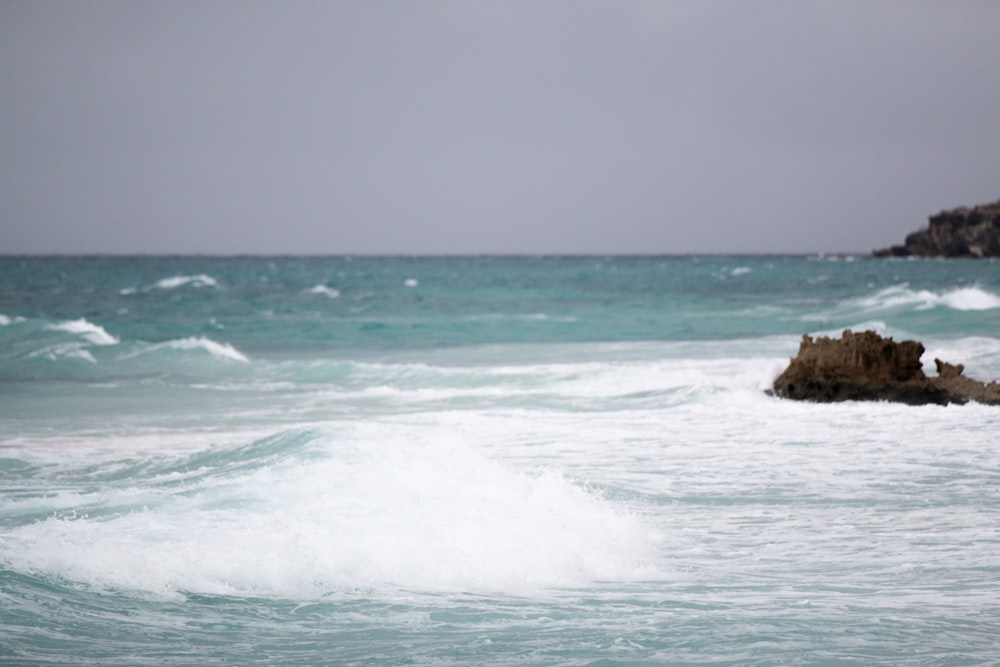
<point>443,127</point>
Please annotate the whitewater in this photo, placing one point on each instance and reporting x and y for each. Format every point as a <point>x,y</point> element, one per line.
<point>487,460</point>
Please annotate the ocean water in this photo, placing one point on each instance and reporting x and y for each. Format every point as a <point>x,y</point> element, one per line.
<point>487,460</point>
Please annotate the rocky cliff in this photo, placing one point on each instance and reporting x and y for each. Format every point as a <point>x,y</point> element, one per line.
<point>962,232</point>
<point>866,367</point>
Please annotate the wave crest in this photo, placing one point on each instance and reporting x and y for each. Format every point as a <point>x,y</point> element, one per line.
<point>217,350</point>
<point>94,334</point>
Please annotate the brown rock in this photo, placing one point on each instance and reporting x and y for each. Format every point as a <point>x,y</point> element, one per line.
<point>866,367</point>
<point>960,232</point>
<point>946,370</point>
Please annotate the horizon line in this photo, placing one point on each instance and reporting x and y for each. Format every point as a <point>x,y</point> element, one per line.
<point>427,255</point>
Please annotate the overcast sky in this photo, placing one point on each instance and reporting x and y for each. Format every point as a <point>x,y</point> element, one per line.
<point>492,127</point>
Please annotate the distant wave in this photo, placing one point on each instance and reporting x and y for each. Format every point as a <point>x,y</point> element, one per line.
<point>217,350</point>
<point>64,351</point>
<point>68,340</point>
<point>520,317</point>
<point>330,292</point>
<point>963,298</point>
<point>902,297</point>
<point>93,333</point>
<point>173,282</point>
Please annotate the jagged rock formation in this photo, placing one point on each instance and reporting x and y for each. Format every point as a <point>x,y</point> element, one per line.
<point>961,232</point>
<point>866,367</point>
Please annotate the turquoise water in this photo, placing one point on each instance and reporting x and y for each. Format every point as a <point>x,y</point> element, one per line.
<point>486,460</point>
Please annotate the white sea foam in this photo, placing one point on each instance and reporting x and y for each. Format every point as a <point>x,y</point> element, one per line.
<point>481,513</point>
<point>740,271</point>
<point>200,280</point>
<point>373,508</point>
<point>4,320</point>
<point>979,355</point>
<point>126,291</point>
<point>93,333</point>
<point>411,282</point>
<point>325,290</point>
<point>594,384</point>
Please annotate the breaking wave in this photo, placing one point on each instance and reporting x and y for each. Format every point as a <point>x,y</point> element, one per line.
<point>970,298</point>
<point>304,514</point>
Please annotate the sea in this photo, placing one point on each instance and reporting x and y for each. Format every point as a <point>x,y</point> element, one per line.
<point>487,460</point>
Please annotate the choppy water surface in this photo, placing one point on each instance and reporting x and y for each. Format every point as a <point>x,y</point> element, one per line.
<point>486,461</point>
